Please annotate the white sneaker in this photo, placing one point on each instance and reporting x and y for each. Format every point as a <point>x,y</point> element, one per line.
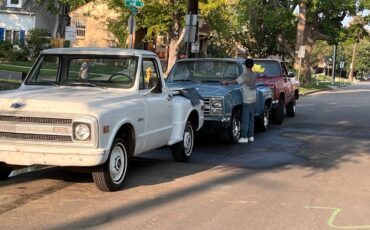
<point>251,139</point>
<point>243,140</point>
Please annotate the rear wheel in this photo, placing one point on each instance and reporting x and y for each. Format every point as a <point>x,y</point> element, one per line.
<point>182,150</point>
<point>233,131</point>
<point>110,176</point>
<point>291,108</point>
<point>5,171</point>
<point>263,120</point>
<point>278,113</point>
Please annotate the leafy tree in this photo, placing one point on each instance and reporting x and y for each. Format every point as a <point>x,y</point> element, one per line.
<point>355,33</point>
<point>268,27</point>
<point>36,41</point>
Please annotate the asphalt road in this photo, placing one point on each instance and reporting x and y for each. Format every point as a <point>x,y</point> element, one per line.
<point>310,173</point>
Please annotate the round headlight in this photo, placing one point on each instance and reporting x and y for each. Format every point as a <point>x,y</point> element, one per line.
<point>217,103</point>
<point>82,132</point>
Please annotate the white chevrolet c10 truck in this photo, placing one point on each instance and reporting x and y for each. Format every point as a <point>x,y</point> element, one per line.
<point>93,108</point>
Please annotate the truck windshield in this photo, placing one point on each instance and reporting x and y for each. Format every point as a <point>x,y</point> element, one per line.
<point>204,71</point>
<point>267,68</point>
<point>84,70</point>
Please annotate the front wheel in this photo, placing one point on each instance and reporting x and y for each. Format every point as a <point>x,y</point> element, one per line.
<point>182,150</point>
<point>233,131</point>
<point>110,176</point>
<point>263,120</point>
<point>5,171</point>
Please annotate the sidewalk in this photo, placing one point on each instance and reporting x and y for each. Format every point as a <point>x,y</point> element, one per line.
<point>9,75</point>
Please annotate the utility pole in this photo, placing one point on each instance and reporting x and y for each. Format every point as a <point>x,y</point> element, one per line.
<point>191,30</point>
<point>333,70</point>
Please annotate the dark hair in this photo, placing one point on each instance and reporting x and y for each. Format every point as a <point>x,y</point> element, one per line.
<point>249,63</point>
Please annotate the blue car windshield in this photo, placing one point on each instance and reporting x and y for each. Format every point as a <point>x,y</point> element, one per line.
<point>204,71</point>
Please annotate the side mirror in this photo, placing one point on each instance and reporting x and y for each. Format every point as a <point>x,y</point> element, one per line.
<point>291,74</point>
<point>24,75</point>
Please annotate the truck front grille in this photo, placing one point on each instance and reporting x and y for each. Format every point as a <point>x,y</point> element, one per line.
<point>35,129</point>
<point>207,107</point>
<point>35,137</point>
<point>39,120</point>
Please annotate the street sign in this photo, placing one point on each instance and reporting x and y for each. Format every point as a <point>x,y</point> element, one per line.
<point>133,9</point>
<point>191,27</point>
<point>135,3</point>
<point>195,47</point>
<point>70,34</point>
<point>302,50</point>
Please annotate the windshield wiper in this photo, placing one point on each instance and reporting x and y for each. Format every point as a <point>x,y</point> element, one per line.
<point>87,84</point>
<point>185,80</point>
<point>45,83</point>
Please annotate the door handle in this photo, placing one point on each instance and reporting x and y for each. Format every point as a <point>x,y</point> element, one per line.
<point>169,97</point>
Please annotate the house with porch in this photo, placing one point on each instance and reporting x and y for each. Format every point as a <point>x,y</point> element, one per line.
<point>19,16</point>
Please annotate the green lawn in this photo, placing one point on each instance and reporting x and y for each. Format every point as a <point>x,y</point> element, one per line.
<point>9,84</point>
<point>322,82</point>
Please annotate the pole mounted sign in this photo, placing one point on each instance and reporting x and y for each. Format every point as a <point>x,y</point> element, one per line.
<point>135,3</point>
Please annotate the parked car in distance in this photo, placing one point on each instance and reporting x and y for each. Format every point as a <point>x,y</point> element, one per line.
<point>120,108</point>
<point>223,104</point>
<point>284,86</point>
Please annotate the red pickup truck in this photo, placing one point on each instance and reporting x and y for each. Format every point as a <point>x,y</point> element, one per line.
<point>285,88</point>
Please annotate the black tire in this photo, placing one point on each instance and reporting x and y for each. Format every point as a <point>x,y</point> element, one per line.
<point>263,121</point>
<point>278,113</point>
<point>291,108</point>
<point>233,131</point>
<point>110,176</point>
<point>5,171</point>
<point>182,150</point>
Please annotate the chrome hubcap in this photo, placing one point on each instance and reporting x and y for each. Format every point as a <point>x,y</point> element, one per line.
<point>117,163</point>
<point>266,118</point>
<point>188,140</point>
<point>236,129</point>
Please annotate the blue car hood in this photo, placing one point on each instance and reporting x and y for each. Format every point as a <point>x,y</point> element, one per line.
<point>206,89</point>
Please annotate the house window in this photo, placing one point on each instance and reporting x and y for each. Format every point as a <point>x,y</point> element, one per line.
<point>8,35</point>
<point>80,25</point>
<point>14,3</point>
<point>15,37</point>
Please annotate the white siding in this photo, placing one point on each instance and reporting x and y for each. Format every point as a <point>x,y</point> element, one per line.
<point>17,21</point>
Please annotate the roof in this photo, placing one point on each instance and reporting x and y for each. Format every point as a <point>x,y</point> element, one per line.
<point>99,51</point>
<point>212,59</point>
<point>28,6</point>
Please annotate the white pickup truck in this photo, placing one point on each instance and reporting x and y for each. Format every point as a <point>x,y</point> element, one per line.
<point>94,108</point>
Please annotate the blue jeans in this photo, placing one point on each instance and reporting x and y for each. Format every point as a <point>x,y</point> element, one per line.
<point>247,125</point>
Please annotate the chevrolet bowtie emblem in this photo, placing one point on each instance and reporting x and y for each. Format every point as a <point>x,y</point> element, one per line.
<point>17,105</point>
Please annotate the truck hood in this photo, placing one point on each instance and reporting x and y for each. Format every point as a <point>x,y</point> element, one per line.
<point>206,89</point>
<point>74,100</point>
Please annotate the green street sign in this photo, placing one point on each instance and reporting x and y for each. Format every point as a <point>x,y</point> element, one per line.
<point>135,3</point>
<point>133,9</point>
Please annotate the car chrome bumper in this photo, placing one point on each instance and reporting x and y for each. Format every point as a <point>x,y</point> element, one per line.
<point>51,155</point>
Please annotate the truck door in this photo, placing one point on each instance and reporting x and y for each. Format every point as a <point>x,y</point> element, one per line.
<point>288,86</point>
<point>158,105</point>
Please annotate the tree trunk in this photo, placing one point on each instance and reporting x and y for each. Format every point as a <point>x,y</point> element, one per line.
<point>301,28</point>
<point>306,65</point>
<point>173,50</point>
<point>353,62</point>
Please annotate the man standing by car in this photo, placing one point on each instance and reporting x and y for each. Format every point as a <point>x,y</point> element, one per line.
<point>248,82</point>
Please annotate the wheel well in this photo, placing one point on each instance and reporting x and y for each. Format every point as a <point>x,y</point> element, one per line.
<point>282,97</point>
<point>296,94</point>
<point>268,102</point>
<point>194,119</point>
<point>238,107</point>
<point>127,133</point>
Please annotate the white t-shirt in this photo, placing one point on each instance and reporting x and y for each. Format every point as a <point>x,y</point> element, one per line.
<point>248,82</point>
